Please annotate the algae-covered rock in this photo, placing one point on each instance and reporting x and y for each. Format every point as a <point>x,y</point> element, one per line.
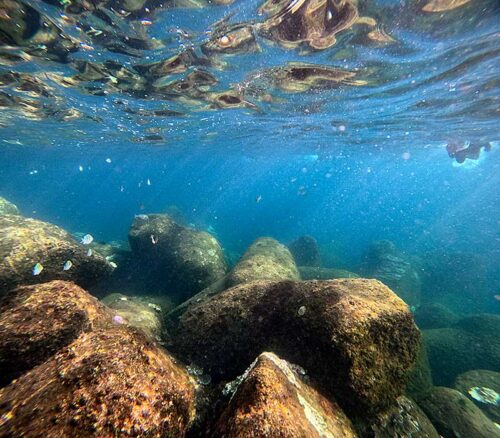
<point>454,416</point>
<point>7,207</point>
<point>473,343</point>
<point>273,401</point>
<point>386,263</point>
<point>182,260</point>
<point>420,375</point>
<point>26,242</point>
<point>312,273</point>
<point>138,312</point>
<point>265,259</point>
<point>483,388</point>
<point>354,336</point>
<point>37,321</point>
<point>403,419</point>
<point>435,315</point>
<point>305,251</point>
<point>109,382</point>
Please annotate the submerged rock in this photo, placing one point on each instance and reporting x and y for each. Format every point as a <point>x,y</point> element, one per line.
<point>453,415</point>
<point>312,273</point>
<point>183,260</point>
<point>137,312</point>
<point>386,263</point>
<point>420,375</point>
<point>37,321</point>
<point>265,259</point>
<point>305,251</point>
<point>272,400</point>
<point>25,243</point>
<point>435,315</point>
<point>404,419</point>
<point>7,207</point>
<point>354,336</point>
<point>482,387</point>
<point>107,383</point>
<point>471,344</point>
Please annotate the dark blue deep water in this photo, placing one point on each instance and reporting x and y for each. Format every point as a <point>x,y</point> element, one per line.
<point>352,162</point>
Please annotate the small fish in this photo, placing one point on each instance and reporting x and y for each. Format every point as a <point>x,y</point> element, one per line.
<point>497,297</point>
<point>67,266</point>
<point>154,240</point>
<point>87,239</point>
<point>146,22</point>
<point>89,252</point>
<point>37,269</point>
<point>258,199</point>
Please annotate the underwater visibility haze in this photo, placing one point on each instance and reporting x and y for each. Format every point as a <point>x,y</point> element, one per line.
<point>231,218</point>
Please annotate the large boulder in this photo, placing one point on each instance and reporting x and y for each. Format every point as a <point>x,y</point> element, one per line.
<point>26,242</point>
<point>483,388</point>
<point>403,419</point>
<point>312,273</point>
<point>37,321</point>
<point>420,376</point>
<point>265,259</point>
<point>355,336</point>
<point>472,343</point>
<point>454,416</point>
<point>108,383</point>
<point>435,315</point>
<point>272,400</point>
<point>386,263</point>
<point>305,251</point>
<point>181,260</point>
<point>7,207</point>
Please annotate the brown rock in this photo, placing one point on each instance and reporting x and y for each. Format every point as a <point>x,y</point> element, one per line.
<point>108,383</point>
<point>36,321</point>
<point>273,401</point>
<point>354,336</point>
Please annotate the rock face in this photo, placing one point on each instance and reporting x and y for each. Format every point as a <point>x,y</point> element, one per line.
<point>273,401</point>
<point>472,343</point>
<point>431,316</point>
<point>420,376</point>
<point>37,321</point>
<point>305,251</point>
<point>453,415</point>
<point>137,312</point>
<point>7,207</point>
<point>386,263</point>
<point>404,419</point>
<point>182,260</point>
<point>472,383</point>
<point>26,242</point>
<point>354,336</point>
<point>265,259</point>
<point>107,383</point>
<point>311,273</point>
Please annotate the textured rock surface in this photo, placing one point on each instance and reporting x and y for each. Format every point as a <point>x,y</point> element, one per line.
<point>273,401</point>
<point>482,379</point>
<point>137,312</point>
<point>36,321</point>
<point>472,343</point>
<point>25,242</point>
<point>312,273</point>
<point>305,251</point>
<point>454,416</point>
<point>7,207</point>
<point>420,376</point>
<point>431,316</point>
<point>265,259</point>
<point>107,383</point>
<point>404,419</point>
<point>182,260</point>
<point>386,263</point>
<point>355,336</point>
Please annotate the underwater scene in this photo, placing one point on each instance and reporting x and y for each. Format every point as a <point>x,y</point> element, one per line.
<point>250,218</point>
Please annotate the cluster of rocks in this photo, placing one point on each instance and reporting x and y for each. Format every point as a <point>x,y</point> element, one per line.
<point>258,350</point>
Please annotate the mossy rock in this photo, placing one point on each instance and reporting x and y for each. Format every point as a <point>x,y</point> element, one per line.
<point>420,376</point>
<point>435,315</point>
<point>305,251</point>
<point>7,207</point>
<point>26,242</point>
<point>481,379</point>
<point>455,416</point>
<point>312,273</point>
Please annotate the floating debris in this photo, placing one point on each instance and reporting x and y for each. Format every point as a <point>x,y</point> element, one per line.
<point>87,239</point>
<point>67,266</point>
<point>37,269</point>
<point>108,160</point>
<point>485,395</point>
